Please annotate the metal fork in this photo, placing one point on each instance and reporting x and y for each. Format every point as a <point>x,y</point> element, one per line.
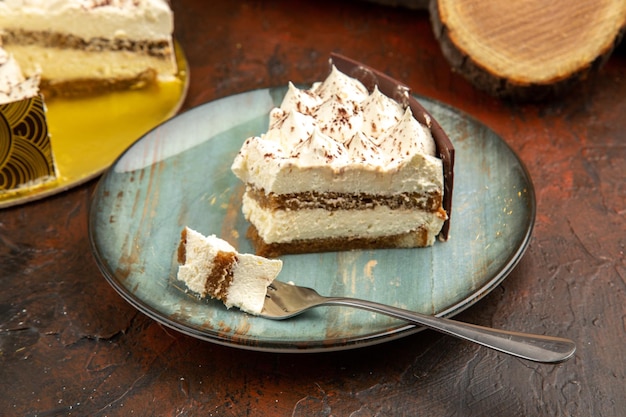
<point>287,300</point>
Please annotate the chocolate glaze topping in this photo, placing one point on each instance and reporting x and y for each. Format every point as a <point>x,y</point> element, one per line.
<point>402,94</point>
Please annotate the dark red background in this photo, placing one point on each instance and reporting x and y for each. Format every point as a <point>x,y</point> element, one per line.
<point>70,345</point>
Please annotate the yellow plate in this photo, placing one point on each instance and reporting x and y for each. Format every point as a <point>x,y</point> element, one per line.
<point>88,134</point>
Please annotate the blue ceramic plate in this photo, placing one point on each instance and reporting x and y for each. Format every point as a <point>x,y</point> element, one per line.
<point>179,175</point>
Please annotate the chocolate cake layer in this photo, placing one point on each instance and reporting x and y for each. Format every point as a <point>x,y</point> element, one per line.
<point>332,201</point>
<point>218,282</point>
<point>416,238</point>
<point>48,39</point>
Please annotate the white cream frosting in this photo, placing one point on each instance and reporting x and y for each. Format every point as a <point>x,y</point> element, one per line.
<point>301,101</point>
<point>13,85</point>
<point>421,173</point>
<point>88,19</point>
<point>362,148</point>
<point>251,274</point>
<point>405,138</point>
<point>339,84</point>
<point>319,150</point>
<point>348,142</point>
<point>338,118</point>
<point>381,113</point>
<point>289,128</point>
<point>299,153</point>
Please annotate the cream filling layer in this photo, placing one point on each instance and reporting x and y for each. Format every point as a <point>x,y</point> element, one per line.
<point>69,64</point>
<point>251,276</point>
<point>279,226</point>
<point>264,170</point>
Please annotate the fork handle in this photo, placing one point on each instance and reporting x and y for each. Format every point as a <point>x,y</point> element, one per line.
<point>538,348</point>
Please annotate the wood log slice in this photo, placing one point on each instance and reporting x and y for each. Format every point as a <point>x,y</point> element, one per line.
<point>527,50</point>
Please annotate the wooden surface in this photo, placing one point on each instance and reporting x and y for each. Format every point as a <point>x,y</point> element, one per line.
<point>70,345</point>
<point>527,49</point>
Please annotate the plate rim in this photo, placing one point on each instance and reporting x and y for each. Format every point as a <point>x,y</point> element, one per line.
<point>322,345</point>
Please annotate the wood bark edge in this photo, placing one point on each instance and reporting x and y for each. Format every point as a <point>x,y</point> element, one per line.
<point>505,88</point>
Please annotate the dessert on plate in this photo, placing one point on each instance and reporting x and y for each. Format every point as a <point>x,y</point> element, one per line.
<point>86,46</point>
<point>26,159</point>
<point>210,266</point>
<point>353,162</point>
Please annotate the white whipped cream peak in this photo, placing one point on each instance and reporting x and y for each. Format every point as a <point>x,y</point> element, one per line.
<point>302,101</point>
<point>318,150</point>
<point>380,113</point>
<point>361,149</point>
<point>346,129</point>
<point>406,138</point>
<point>339,84</point>
<point>13,85</point>
<point>276,115</point>
<point>340,119</point>
<point>290,128</point>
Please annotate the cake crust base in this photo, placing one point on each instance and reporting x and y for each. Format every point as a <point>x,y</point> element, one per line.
<point>90,86</point>
<point>416,238</point>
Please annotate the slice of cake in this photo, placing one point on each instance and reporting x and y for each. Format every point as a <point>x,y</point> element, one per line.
<point>85,46</point>
<point>353,162</point>
<point>209,266</point>
<point>26,159</point>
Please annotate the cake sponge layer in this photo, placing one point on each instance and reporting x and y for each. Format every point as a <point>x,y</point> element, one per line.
<point>281,226</point>
<point>413,239</point>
